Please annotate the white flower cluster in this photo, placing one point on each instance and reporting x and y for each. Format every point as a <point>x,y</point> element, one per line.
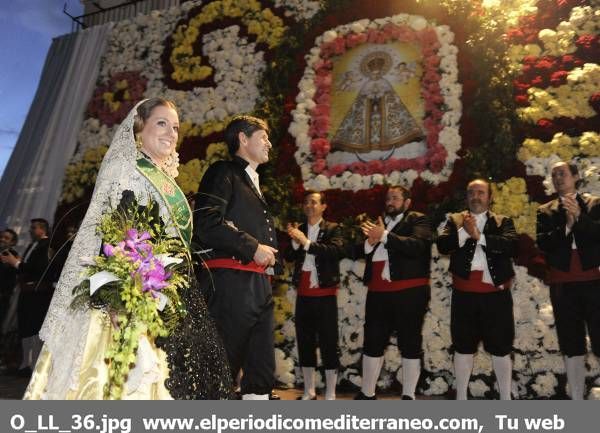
<point>449,136</point>
<point>300,9</point>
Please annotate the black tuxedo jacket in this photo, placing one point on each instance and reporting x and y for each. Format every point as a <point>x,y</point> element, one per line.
<point>502,243</point>
<point>35,267</point>
<point>409,249</point>
<point>231,217</point>
<point>328,251</point>
<point>556,244</point>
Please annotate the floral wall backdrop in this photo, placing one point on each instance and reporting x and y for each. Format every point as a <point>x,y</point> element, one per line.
<point>504,88</point>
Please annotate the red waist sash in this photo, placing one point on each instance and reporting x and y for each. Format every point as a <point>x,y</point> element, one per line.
<point>378,284</point>
<point>475,283</point>
<point>575,273</point>
<point>233,264</point>
<point>304,288</point>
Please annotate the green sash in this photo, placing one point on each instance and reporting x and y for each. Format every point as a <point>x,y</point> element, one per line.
<point>173,196</point>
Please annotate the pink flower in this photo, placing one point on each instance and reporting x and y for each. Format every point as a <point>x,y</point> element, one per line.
<point>320,147</point>
<point>353,40</point>
<point>323,80</point>
<point>319,126</point>
<point>319,165</point>
<point>336,169</point>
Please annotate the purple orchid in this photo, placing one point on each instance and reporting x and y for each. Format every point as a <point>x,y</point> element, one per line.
<point>137,242</point>
<point>153,275</point>
<point>108,250</point>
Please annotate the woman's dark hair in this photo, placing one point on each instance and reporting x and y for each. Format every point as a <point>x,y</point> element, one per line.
<point>246,124</point>
<point>144,111</point>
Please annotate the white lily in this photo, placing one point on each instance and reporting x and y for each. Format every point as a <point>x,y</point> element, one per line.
<point>101,278</point>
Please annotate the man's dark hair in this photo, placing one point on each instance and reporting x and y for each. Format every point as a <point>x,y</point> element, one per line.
<point>246,124</point>
<point>574,172</point>
<point>13,234</point>
<point>405,191</point>
<point>42,223</point>
<point>321,194</point>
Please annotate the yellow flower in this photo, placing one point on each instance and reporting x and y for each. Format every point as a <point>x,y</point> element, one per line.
<point>510,198</point>
<point>267,27</point>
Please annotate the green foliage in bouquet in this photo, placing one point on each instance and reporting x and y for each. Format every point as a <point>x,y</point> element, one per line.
<point>136,279</point>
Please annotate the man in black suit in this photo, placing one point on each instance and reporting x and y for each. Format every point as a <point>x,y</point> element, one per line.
<point>481,245</point>
<point>568,232</point>
<point>35,290</point>
<point>316,249</point>
<point>398,255</point>
<point>234,227</point>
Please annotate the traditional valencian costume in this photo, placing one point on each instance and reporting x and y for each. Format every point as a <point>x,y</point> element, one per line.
<point>189,363</point>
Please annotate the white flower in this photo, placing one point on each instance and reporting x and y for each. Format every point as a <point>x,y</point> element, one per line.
<point>478,388</point>
<point>545,384</point>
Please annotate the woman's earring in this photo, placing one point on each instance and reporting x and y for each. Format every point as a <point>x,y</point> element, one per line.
<point>138,142</point>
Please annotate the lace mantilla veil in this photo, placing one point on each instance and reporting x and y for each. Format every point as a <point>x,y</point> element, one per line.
<point>65,328</point>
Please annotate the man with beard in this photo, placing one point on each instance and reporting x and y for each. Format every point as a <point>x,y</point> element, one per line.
<point>568,232</point>
<point>398,253</point>
<point>235,229</point>
<point>316,249</point>
<point>481,245</point>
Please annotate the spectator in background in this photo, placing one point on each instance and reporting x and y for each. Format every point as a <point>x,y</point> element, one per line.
<point>8,279</point>
<point>36,290</point>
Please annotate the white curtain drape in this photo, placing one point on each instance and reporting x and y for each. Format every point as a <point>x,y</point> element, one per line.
<point>32,180</point>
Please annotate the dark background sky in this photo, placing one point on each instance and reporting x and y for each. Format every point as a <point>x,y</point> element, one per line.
<point>27,28</point>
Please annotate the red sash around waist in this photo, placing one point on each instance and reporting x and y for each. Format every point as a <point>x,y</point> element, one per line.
<point>233,264</point>
<point>378,284</point>
<point>575,273</point>
<point>304,288</point>
<point>475,283</point>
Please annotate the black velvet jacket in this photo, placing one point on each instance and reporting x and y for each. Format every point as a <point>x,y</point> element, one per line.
<point>556,244</point>
<point>231,217</point>
<point>409,249</point>
<point>502,244</point>
<point>328,251</point>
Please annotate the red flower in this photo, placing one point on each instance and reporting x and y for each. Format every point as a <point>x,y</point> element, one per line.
<point>558,78</point>
<point>320,147</point>
<point>545,64</point>
<point>522,100</point>
<point>586,42</point>
<point>538,82</point>
<point>595,102</point>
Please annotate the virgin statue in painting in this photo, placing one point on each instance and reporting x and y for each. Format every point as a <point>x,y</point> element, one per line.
<point>377,119</point>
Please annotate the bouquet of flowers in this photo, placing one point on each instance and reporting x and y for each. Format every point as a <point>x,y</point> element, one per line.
<point>137,279</point>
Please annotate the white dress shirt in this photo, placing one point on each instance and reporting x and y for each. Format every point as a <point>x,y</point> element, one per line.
<point>568,230</point>
<point>253,177</point>
<point>309,264</point>
<point>381,253</point>
<point>479,262</point>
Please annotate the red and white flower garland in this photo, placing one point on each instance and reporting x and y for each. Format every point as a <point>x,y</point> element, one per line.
<point>439,90</point>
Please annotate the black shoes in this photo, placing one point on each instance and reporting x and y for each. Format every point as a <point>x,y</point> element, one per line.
<point>406,397</point>
<point>273,396</point>
<point>361,396</point>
